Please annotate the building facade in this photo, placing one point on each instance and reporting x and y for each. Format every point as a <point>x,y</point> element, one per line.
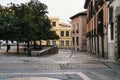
<point>65,36</point>
<point>79,29</point>
<point>97,20</point>
<point>114,30</point>
<point>63,30</point>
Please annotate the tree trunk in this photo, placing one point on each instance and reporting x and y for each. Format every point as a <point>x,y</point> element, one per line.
<point>28,45</point>
<point>7,46</point>
<point>34,44</point>
<point>18,47</point>
<point>40,45</point>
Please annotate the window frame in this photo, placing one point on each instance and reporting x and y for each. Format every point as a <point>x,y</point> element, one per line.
<point>62,43</point>
<point>67,43</point>
<point>53,23</point>
<point>67,33</point>
<point>61,34</point>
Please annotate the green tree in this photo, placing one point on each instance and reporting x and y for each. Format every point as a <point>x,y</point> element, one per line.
<point>6,26</point>
<point>41,21</point>
<point>26,22</point>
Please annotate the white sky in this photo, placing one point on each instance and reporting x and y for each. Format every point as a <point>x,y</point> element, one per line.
<point>63,9</point>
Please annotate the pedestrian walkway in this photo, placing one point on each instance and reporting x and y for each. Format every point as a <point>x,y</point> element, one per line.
<point>33,78</point>
<point>61,66</point>
<point>81,75</point>
<point>115,65</point>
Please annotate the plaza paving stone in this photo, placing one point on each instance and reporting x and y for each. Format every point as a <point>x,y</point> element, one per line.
<point>62,66</point>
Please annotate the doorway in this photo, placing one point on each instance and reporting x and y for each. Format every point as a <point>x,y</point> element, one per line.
<point>118,23</point>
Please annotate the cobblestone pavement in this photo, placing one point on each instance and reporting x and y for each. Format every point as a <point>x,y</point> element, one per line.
<point>64,65</point>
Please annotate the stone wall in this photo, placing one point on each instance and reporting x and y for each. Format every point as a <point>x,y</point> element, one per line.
<point>51,50</point>
<point>46,51</point>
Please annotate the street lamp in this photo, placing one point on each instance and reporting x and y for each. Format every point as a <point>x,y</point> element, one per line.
<point>99,22</point>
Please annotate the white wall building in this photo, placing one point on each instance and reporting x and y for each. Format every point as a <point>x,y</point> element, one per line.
<point>114,30</point>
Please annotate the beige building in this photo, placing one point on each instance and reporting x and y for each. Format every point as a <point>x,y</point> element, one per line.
<point>63,30</point>
<point>65,35</point>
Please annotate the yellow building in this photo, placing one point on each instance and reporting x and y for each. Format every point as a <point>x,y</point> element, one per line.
<point>63,31</point>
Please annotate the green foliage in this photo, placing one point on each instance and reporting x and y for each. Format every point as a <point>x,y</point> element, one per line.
<point>25,22</point>
<point>6,24</point>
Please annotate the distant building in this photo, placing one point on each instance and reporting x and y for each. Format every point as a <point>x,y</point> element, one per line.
<point>63,30</point>
<point>79,29</point>
<point>65,35</point>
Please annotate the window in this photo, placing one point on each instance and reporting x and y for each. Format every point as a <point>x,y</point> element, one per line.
<point>73,27</point>
<point>110,14</point>
<point>62,33</point>
<point>73,31</point>
<point>112,31</point>
<point>62,43</point>
<point>77,25</point>
<point>77,29</point>
<point>53,42</point>
<point>77,39</point>
<point>67,33</point>
<point>54,24</point>
<point>100,2</point>
<point>67,43</point>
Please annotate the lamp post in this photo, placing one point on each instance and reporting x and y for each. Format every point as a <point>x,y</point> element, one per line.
<point>99,22</point>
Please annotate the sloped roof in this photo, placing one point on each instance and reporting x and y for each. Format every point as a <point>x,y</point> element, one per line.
<point>78,14</point>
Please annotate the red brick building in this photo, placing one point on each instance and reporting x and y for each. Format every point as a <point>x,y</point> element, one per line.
<point>97,17</point>
<point>114,30</point>
<point>79,29</point>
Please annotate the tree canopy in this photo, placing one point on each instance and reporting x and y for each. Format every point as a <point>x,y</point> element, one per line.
<point>25,22</point>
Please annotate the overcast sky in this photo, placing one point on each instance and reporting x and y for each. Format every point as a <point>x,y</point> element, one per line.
<point>63,9</point>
